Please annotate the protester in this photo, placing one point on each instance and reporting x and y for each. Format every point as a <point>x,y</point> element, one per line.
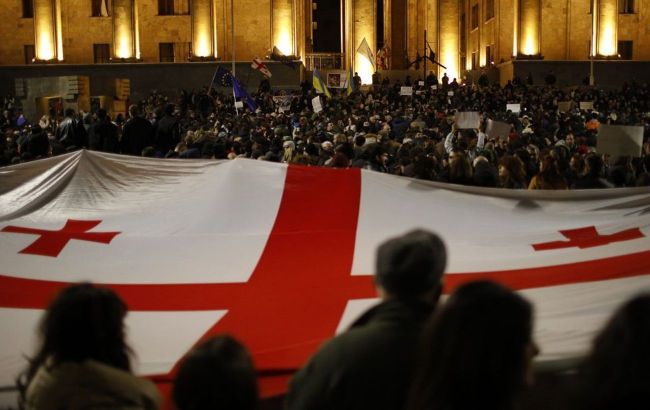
<point>396,123</point>
<point>616,374</point>
<point>83,360</point>
<point>218,374</point>
<point>370,366</point>
<point>476,352</point>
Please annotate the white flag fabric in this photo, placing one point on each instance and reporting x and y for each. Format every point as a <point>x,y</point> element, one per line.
<point>364,50</point>
<point>282,256</point>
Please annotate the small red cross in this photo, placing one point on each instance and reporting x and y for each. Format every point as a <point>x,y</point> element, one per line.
<point>588,238</point>
<point>51,243</point>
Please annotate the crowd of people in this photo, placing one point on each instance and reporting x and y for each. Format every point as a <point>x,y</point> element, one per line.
<point>411,351</point>
<point>376,128</point>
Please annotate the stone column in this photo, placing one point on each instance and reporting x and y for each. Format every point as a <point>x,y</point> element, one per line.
<point>606,27</point>
<point>47,30</point>
<point>125,29</point>
<point>529,28</point>
<point>203,28</point>
<point>448,54</point>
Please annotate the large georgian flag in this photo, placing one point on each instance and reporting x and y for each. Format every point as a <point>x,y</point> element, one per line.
<point>282,256</point>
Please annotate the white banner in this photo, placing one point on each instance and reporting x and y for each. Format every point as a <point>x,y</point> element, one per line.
<point>406,90</point>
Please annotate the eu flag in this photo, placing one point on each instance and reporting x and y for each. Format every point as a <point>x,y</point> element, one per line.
<point>222,78</point>
<point>240,92</point>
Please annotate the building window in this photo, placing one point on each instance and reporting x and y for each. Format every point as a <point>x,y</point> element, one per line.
<point>100,8</point>
<point>626,6</point>
<point>489,55</point>
<point>625,49</point>
<point>475,17</point>
<point>166,52</point>
<point>28,9</point>
<point>489,9</point>
<point>102,53</point>
<point>165,7</point>
<point>474,60</point>
<point>30,53</point>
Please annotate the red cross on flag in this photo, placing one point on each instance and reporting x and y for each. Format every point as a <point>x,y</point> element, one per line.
<point>282,256</point>
<point>258,65</point>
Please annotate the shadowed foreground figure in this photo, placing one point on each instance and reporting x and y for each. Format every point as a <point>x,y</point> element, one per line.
<point>370,366</point>
<point>476,352</point>
<point>218,374</point>
<point>616,374</point>
<point>83,360</point>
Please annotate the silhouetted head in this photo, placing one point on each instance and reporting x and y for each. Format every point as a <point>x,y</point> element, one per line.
<point>411,265</point>
<point>218,374</point>
<point>476,351</point>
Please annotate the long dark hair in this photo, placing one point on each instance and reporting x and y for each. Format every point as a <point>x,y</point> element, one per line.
<point>82,322</point>
<point>616,374</point>
<point>473,351</point>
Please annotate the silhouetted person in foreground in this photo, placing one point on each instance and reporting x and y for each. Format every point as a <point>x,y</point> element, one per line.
<point>616,374</point>
<point>83,360</point>
<point>476,352</point>
<point>370,366</point>
<point>218,374</point>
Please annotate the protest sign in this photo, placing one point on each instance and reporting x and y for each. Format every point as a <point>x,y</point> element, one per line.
<point>315,102</point>
<point>497,129</point>
<point>619,140</point>
<point>515,108</point>
<point>468,119</point>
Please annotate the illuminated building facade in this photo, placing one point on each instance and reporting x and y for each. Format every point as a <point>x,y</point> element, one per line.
<point>464,34</point>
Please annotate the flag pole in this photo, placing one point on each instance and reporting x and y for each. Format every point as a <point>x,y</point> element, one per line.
<point>232,33</point>
<point>232,30</point>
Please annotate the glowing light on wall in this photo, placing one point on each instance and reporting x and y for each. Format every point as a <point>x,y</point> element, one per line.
<point>124,30</point>
<point>607,27</point>
<point>364,68</point>
<point>529,27</point>
<point>45,30</point>
<point>450,60</point>
<point>202,28</point>
<point>283,26</point>
<point>449,39</point>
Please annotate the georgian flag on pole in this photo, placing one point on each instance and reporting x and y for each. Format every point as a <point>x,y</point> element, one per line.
<point>282,256</point>
<point>258,65</point>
